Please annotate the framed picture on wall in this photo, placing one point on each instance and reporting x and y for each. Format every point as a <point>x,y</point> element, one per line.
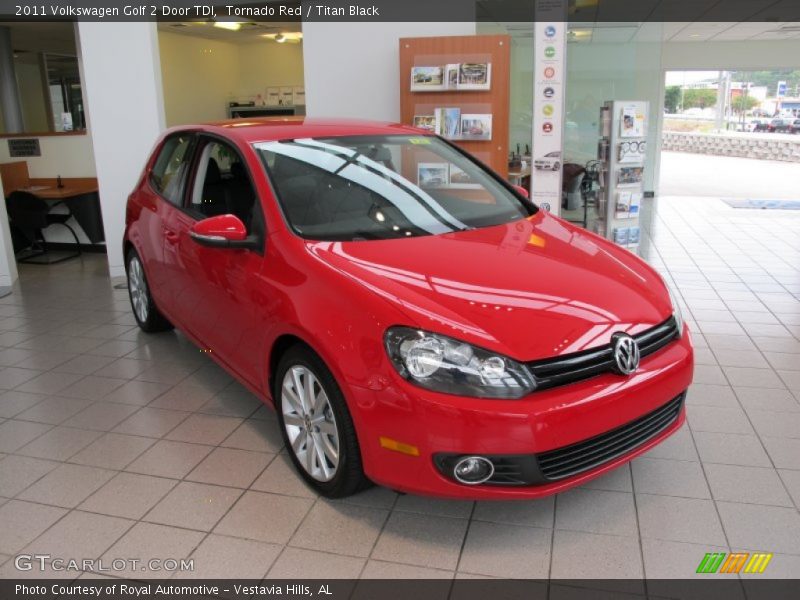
<point>427,79</point>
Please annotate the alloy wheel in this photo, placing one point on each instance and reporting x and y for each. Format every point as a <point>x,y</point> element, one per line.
<point>310,423</point>
<point>137,286</point>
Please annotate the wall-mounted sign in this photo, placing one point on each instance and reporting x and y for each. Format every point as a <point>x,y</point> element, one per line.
<point>23,147</point>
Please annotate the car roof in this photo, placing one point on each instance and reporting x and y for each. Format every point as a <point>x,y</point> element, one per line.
<point>262,129</point>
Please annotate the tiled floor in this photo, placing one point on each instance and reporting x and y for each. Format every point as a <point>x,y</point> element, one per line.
<point>117,444</point>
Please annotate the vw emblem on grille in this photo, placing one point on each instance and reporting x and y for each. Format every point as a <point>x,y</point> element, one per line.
<point>626,353</point>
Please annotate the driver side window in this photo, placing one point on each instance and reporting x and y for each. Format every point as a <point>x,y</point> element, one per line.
<point>222,186</point>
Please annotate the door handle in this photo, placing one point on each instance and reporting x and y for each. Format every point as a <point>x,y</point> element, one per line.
<point>171,236</point>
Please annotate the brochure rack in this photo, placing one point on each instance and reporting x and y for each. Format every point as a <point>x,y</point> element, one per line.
<point>480,92</point>
<point>622,149</point>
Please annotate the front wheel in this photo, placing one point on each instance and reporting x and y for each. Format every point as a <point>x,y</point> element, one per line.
<point>316,425</point>
<point>144,309</point>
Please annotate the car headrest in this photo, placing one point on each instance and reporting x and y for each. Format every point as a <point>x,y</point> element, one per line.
<point>238,171</point>
<point>213,174</point>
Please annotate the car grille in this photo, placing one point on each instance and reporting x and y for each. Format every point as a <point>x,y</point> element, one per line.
<point>570,368</point>
<point>586,455</point>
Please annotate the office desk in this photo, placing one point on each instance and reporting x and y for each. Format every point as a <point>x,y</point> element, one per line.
<point>80,196</point>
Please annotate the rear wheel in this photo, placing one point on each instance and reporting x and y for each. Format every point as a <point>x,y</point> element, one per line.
<point>316,425</point>
<point>144,309</point>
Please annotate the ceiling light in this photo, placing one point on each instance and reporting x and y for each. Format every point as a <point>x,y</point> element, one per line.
<point>694,35</point>
<point>292,37</point>
<point>229,25</point>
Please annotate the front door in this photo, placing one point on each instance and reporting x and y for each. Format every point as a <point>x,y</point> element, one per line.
<point>218,289</point>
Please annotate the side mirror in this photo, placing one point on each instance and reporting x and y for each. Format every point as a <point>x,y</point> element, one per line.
<point>222,231</point>
<point>521,190</point>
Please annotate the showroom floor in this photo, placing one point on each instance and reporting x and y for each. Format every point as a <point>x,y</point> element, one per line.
<point>117,444</point>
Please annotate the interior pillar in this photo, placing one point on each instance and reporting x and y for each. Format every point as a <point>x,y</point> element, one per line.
<point>9,91</point>
<point>121,74</point>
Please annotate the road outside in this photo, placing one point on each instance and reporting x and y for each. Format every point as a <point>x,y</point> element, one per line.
<point>687,174</point>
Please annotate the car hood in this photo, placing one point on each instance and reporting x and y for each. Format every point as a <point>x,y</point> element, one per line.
<point>531,289</point>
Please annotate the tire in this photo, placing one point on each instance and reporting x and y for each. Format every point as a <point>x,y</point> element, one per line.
<point>329,459</point>
<point>556,166</point>
<point>147,316</point>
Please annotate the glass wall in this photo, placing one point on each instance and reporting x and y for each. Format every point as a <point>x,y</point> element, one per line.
<point>611,61</point>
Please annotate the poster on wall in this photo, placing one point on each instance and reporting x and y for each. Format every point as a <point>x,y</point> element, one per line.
<point>549,65</point>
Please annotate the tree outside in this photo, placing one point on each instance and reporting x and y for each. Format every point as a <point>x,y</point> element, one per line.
<point>699,98</point>
<point>672,98</point>
<point>742,104</point>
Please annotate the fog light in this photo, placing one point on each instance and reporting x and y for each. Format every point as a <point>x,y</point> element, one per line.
<point>473,470</point>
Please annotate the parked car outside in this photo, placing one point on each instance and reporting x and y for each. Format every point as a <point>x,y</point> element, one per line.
<point>795,126</point>
<point>779,125</point>
<point>451,341</point>
<point>757,125</point>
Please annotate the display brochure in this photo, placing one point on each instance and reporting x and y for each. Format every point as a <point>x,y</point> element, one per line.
<point>621,236</point>
<point>461,180</point>
<point>632,122</point>
<point>427,79</point>
<point>448,122</point>
<point>474,76</point>
<point>273,96</point>
<point>633,236</point>
<point>631,152</point>
<point>430,175</point>
<point>476,127</point>
<point>451,76</point>
<point>426,122</point>
<point>605,122</point>
<point>628,205</point>
<point>629,175</point>
<point>287,96</point>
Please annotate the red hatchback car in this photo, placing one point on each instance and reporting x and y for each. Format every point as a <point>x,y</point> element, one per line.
<point>415,320</point>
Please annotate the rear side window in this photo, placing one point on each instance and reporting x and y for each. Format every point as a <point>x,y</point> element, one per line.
<point>169,171</point>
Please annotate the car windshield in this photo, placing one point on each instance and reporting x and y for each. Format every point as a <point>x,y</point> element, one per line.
<point>384,187</point>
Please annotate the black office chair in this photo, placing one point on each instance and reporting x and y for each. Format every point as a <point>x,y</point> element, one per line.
<point>28,215</point>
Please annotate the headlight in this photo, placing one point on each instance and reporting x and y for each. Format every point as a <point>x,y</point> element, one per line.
<point>676,311</point>
<point>442,364</point>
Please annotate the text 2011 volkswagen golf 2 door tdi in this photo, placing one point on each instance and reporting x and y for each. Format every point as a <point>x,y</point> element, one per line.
<point>415,320</point>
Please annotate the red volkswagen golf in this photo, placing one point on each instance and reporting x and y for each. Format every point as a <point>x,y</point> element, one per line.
<point>414,319</point>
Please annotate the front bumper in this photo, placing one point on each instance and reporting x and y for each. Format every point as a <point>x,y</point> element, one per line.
<point>441,424</point>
